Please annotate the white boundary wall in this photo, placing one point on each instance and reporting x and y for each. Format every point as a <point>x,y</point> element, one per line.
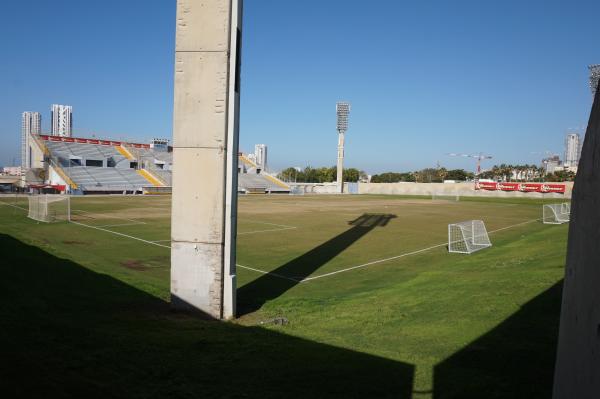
<point>461,189</point>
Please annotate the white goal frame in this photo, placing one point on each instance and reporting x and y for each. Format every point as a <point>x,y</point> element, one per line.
<point>556,213</point>
<point>297,190</point>
<point>445,197</point>
<point>467,237</point>
<point>49,208</point>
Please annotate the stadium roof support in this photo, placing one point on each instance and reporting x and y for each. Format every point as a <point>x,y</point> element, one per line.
<point>205,147</point>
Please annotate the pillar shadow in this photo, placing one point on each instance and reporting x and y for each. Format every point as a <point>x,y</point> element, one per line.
<point>256,293</point>
<point>514,360</point>
<point>66,331</point>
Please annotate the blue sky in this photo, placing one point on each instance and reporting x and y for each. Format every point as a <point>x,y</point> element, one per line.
<point>507,78</point>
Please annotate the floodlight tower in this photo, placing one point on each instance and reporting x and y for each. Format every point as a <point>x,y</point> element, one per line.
<point>342,110</point>
<point>594,77</point>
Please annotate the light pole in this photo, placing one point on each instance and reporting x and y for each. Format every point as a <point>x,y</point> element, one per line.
<point>342,110</point>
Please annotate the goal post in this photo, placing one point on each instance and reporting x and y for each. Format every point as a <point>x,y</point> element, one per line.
<point>556,213</point>
<point>467,237</point>
<point>297,190</point>
<point>49,208</point>
<point>445,197</point>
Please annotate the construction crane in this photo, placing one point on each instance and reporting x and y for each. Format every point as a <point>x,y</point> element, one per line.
<point>479,157</point>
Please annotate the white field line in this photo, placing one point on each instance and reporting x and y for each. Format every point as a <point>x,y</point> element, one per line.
<point>270,273</point>
<point>270,224</point>
<point>405,254</point>
<point>14,206</point>
<point>281,227</point>
<point>264,231</point>
<point>121,234</point>
<point>121,224</point>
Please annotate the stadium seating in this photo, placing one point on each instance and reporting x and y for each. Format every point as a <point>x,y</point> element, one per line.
<point>115,174</point>
<point>251,182</point>
<point>106,179</point>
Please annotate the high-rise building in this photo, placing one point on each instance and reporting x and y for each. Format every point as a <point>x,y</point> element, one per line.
<point>31,123</point>
<point>62,120</point>
<point>572,149</point>
<point>260,155</point>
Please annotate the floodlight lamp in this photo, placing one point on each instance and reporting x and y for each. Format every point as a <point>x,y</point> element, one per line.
<point>342,110</point>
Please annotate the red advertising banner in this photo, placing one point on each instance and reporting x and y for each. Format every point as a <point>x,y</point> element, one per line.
<point>508,186</point>
<point>531,187</point>
<point>487,185</point>
<point>524,187</point>
<point>553,188</point>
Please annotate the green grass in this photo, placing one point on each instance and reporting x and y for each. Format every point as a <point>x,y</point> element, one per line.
<point>87,311</point>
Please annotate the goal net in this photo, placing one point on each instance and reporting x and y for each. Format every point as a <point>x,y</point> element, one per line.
<point>297,190</point>
<point>556,213</point>
<point>49,208</point>
<point>467,237</point>
<point>445,197</point>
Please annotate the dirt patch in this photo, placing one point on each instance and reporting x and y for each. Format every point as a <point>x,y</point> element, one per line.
<point>75,242</point>
<point>134,265</point>
<point>157,262</point>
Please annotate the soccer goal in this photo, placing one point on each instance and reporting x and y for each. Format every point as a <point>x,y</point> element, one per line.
<point>445,197</point>
<point>556,213</point>
<point>297,190</point>
<point>467,237</point>
<point>49,208</point>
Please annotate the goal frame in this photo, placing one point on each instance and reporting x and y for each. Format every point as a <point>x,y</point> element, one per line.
<point>445,197</point>
<point>468,237</point>
<point>558,213</point>
<point>40,208</point>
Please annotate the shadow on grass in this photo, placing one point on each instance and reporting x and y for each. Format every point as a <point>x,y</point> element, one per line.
<point>514,360</point>
<point>66,331</point>
<point>253,295</point>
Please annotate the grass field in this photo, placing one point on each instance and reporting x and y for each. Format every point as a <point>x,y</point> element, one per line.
<point>376,306</point>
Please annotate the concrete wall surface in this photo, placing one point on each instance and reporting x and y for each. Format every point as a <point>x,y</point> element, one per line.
<point>462,189</point>
<point>577,373</point>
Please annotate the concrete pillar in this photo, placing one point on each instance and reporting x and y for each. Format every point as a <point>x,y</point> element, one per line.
<point>577,373</point>
<point>205,147</point>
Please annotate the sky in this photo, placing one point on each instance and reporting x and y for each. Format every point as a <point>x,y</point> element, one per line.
<point>425,78</point>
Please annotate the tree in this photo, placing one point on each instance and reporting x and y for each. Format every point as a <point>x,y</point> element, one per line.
<point>428,175</point>
<point>351,175</point>
<point>289,175</point>
<point>318,175</point>
<point>459,175</point>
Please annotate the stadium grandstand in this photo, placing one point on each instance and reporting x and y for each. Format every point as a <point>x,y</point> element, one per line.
<point>95,166</point>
